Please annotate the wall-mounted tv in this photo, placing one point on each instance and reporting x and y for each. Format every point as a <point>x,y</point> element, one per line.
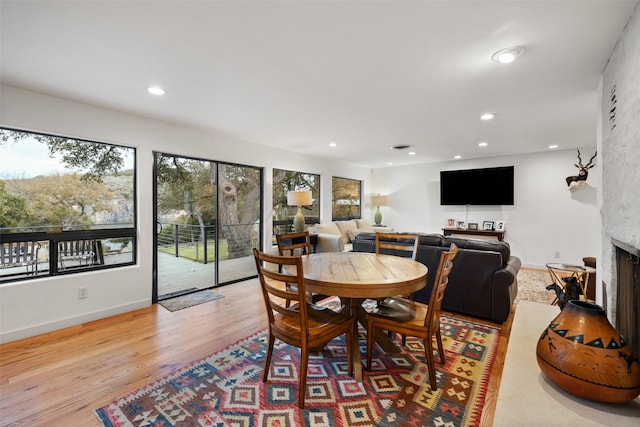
<point>487,186</point>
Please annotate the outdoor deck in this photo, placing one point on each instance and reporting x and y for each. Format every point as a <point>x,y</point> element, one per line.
<point>177,274</point>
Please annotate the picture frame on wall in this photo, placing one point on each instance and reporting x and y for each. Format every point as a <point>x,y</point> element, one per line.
<point>473,226</point>
<point>500,225</point>
<point>487,225</point>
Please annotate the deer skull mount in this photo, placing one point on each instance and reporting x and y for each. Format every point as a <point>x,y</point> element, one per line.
<point>578,181</point>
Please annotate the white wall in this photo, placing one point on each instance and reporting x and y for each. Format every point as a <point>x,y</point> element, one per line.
<point>546,217</point>
<point>31,307</point>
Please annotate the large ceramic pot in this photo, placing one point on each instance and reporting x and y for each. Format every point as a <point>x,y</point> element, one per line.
<point>584,355</point>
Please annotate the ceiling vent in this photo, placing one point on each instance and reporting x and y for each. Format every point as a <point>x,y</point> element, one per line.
<point>400,147</point>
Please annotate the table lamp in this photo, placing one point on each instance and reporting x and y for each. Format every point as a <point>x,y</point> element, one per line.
<point>378,201</point>
<point>299,198</point>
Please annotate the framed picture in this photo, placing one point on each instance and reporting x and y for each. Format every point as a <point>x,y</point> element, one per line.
<point>473,226</point>
<point>462,225</point>
<point>500,225</point>
<point>487,225</point>
<point>451,222</point>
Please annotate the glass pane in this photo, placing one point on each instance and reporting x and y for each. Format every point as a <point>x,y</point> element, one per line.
<point>50,183</point>
<point>186,201</point>
<point>285,181</point>
<point>239,192</point>
<point>346,198</point>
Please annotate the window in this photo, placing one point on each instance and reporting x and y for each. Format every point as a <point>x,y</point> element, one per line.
<point>346,198</point>
<point>66,205</point>
<point>284,181</point>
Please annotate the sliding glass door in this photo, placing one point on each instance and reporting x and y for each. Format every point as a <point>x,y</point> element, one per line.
<point>208,218</point>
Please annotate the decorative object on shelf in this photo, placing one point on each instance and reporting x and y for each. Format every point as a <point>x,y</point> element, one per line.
<point>578,181</point>
<point>487,225</point>
<point>583,354</point>
<point>378,201</point>
<point>451,222</point>
<point>473,226</point>
<point>500,225</point>
<point>462,225</point>
<point>299,198</point>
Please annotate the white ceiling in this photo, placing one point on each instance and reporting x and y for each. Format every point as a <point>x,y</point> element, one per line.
<point>366,75</point>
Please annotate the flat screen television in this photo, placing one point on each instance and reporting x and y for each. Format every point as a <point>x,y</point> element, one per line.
<point>487,186</point>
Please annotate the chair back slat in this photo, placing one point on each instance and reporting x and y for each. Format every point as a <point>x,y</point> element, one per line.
<point>404,242</point>
<point>293,241</point>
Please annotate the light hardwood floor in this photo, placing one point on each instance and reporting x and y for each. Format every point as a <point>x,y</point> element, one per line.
<point>60,378</point>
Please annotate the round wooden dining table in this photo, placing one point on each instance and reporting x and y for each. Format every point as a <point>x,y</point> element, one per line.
<point>360,275</point>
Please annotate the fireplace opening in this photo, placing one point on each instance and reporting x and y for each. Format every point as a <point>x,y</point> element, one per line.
<point>628,294</point>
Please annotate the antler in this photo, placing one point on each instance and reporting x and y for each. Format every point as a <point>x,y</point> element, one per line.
<point>591,159</point>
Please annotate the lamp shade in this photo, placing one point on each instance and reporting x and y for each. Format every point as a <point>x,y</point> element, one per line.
<point>299,198</point>
<point>379,200</point>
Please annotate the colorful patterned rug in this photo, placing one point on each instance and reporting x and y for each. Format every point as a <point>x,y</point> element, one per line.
<point>226,388</point>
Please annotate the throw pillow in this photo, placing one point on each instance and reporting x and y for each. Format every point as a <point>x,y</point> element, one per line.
<point>353,233</point>
<point>330,228</point>
<point>345,226</point>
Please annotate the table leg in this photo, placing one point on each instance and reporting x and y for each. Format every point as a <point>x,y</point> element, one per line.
<point>355,307</point>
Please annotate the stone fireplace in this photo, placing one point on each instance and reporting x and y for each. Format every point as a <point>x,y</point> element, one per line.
<point>627,262</point>
<point>619,143</point>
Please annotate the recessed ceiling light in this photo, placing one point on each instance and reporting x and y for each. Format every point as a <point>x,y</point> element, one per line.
<point>483,144</point>
<point>155,90</point>
<point>412,153</point>
<point>457,157</point>
<point>552,146</point>
<point>390,164</point>
<point>508,55</point>
<point>333,144</point>
<point>487,116</point>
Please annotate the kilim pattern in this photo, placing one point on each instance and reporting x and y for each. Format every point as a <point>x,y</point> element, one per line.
<point>226,388</point>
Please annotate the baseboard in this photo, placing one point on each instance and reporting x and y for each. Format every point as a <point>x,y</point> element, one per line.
<point>32,331</point>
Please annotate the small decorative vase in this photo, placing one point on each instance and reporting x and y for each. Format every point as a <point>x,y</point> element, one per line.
<point>583,354</point>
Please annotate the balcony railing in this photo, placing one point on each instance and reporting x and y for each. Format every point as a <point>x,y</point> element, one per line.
<point>47,251</point>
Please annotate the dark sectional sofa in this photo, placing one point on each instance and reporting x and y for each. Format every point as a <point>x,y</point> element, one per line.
<point>483,280</point>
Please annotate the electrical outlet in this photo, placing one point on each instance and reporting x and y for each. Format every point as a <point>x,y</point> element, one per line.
<point>82,293</point>
<point>557,254</point>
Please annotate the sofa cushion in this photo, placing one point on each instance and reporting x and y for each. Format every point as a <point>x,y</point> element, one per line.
<point>345,226</point>
<point>364,225</point>
<point>329,228</point>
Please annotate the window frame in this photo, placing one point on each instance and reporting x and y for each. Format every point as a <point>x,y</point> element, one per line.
<point>52,238</point>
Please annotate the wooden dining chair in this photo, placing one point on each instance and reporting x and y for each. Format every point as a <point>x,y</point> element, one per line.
<point>292,244</point>
<point>401,244</point>
<point>405,245</point>
<point>426,322</point>
<point>301,324</point>
<point>289,243</point>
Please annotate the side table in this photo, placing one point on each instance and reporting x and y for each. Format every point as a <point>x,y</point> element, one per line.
<point>559,270</point>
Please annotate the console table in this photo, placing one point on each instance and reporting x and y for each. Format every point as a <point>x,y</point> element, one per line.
<point>487,233</point>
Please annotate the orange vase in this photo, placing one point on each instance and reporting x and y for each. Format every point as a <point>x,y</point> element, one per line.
<point>583,354</point>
